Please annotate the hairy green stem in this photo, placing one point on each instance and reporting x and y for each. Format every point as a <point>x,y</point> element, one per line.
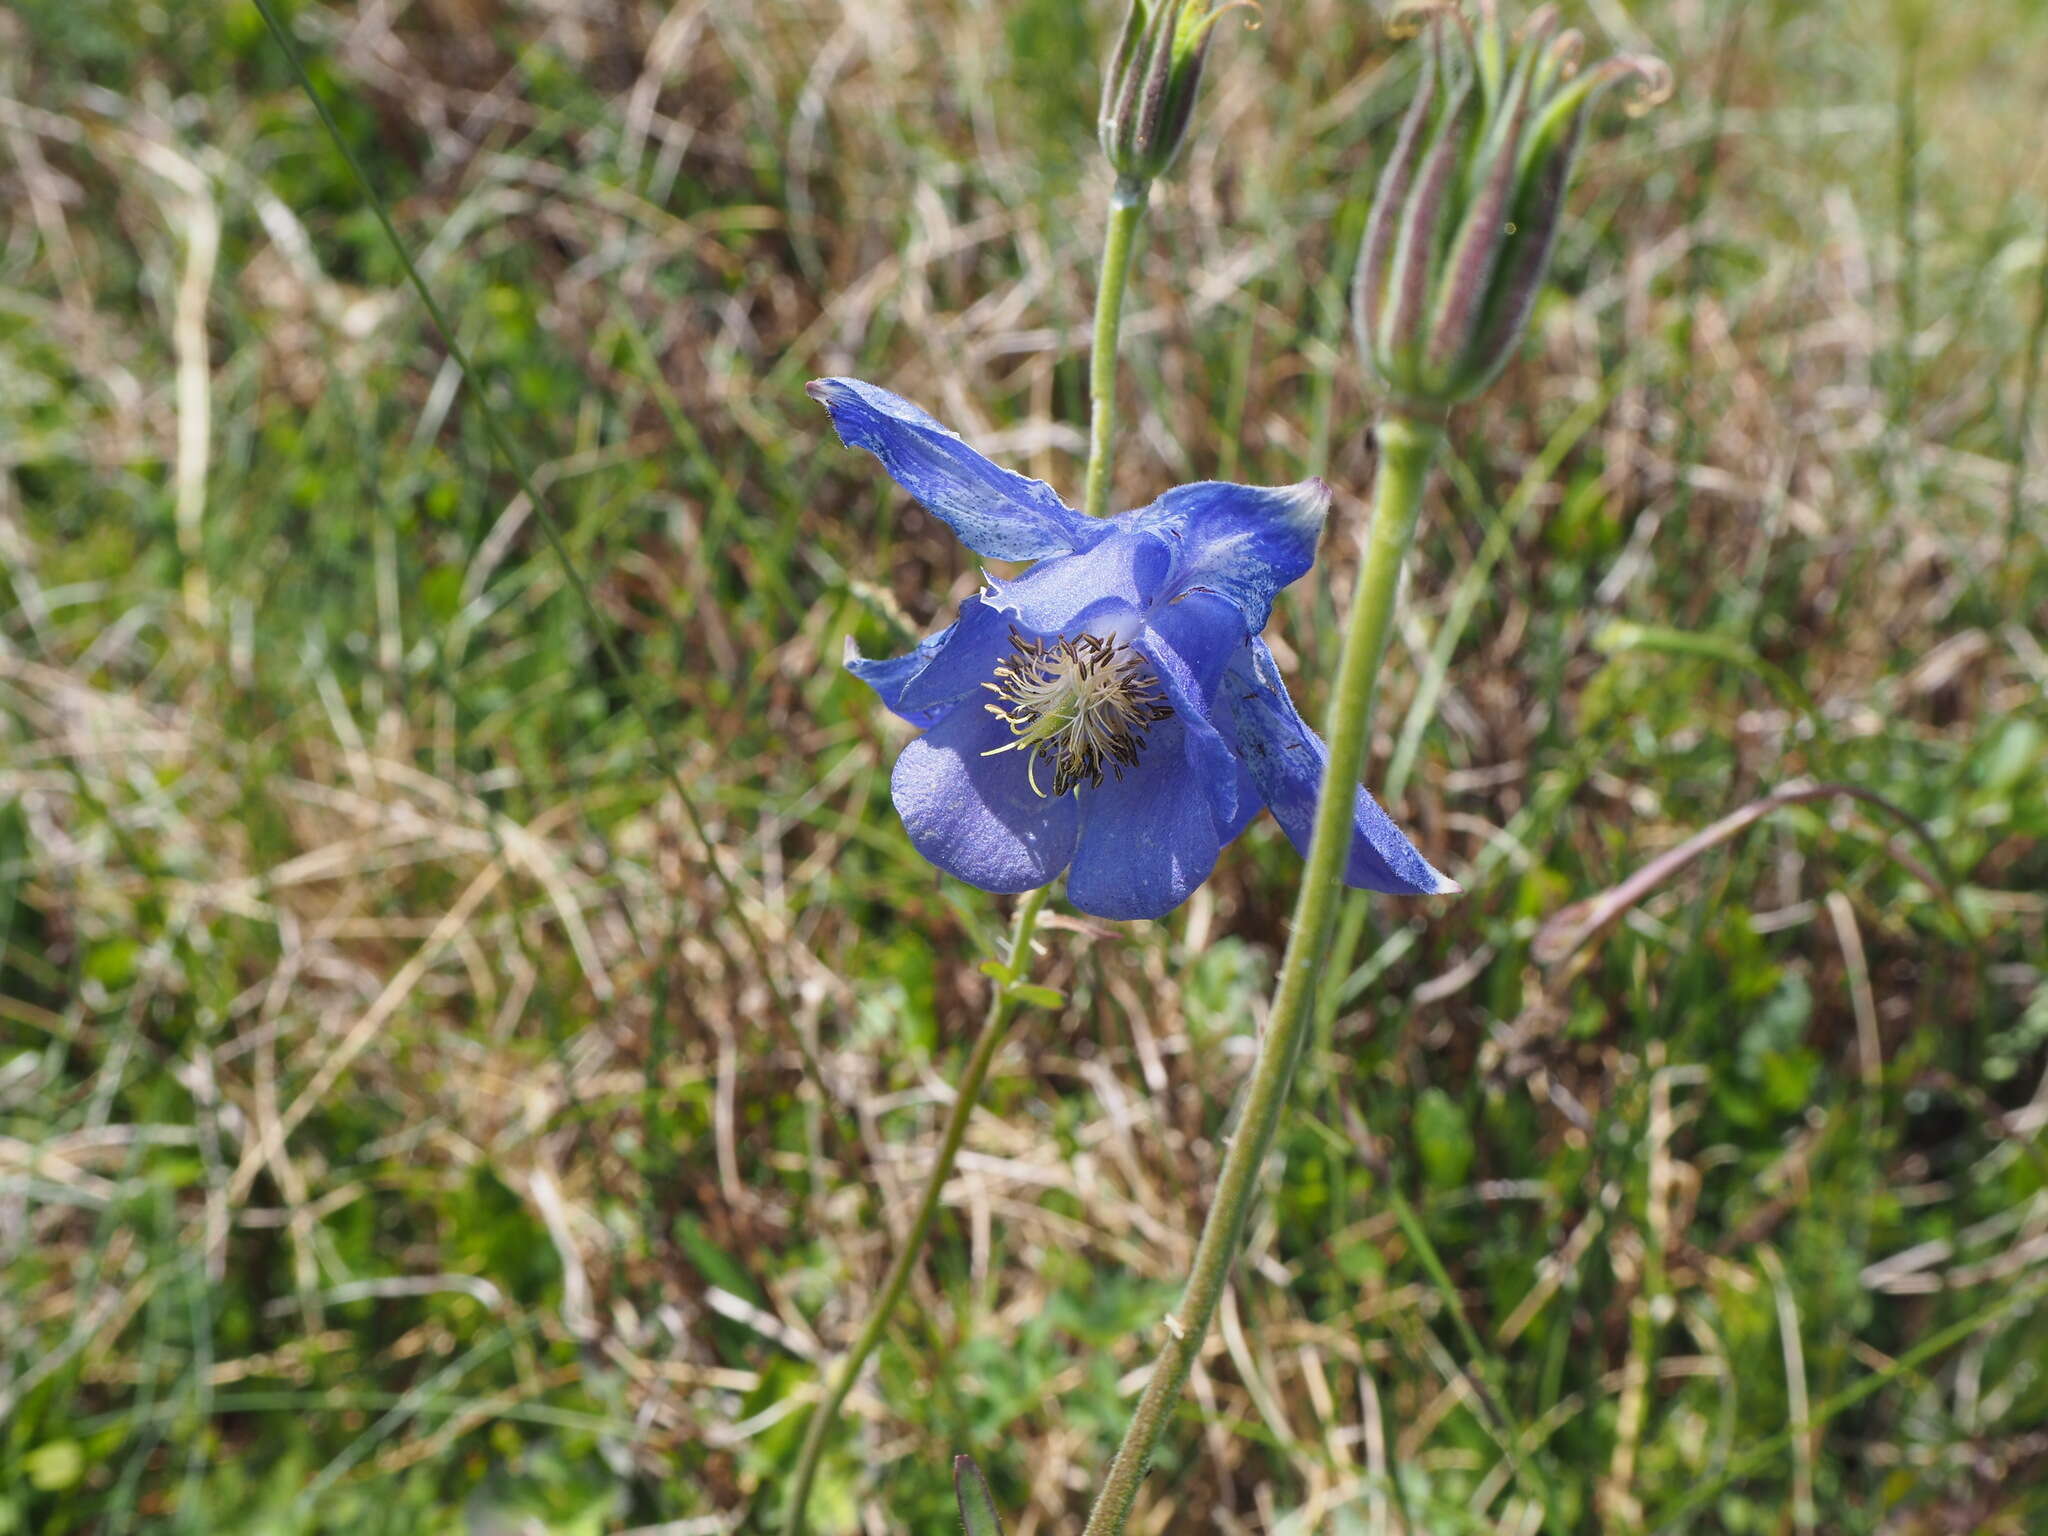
<point>1002,1008</point>
<point>1406,447</point>
<point>1119,244</point>
<point>1126,209</point>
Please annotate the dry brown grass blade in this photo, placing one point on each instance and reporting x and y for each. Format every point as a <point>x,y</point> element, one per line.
<point>1573,928</point>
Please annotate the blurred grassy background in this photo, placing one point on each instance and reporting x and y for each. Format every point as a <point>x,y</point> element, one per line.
<point>396,1134</point>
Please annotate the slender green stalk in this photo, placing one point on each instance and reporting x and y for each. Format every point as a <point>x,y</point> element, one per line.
<point>2022,426</point>
<point>1119,244</point>
<point>1127,207</point>
<point>1002,1008</point>
<point>1406,447</point>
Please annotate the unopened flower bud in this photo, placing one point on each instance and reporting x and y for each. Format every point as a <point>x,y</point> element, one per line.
<point>1468,203</point>
<point>1148,91</point>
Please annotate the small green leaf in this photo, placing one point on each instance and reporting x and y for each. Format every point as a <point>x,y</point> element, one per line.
<point>2015,755</point>
<point>441,592</point>
<point>977,1509</point>
<point>995,968</point>
<point>111,962</point>
<point>56,1466</point>
<point>1443,1139</point>
<point>1043,997</point>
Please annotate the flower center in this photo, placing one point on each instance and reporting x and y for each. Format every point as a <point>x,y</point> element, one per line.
<point>1083,702</point>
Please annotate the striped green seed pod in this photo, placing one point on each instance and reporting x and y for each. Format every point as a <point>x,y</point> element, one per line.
<point>1468,204</point>
<point>1148,91</point>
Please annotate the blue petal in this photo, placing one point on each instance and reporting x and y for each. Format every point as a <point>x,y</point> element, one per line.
<point>1286,760</point>
<point>976,816</point>
<point>994,512</point>
<point>1147,839</point>
<point>1245,542</point>
<point>1064,595</point>
<point>944,669</point>
<point>1247,802</point>
<point>980,640</point>
<point>890,675</point>
<point>1203,631</point>
<point>1190,642</point>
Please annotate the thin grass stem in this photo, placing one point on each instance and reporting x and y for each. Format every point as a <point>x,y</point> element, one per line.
<point>1002,1009</point>
<point>1515,1435</point>
<point>1761,1455</point>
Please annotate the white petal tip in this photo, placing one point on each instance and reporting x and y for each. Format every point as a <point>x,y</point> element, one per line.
<point>1307,503</point>
<point>1446,886</point>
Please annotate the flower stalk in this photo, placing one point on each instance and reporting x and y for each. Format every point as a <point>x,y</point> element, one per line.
<point>1408,443</point>
<point>1148,95</point>
<point>1119,245</point>
<point>1148,99</point>
<point>1010,990</point>
<point>1457,246</point>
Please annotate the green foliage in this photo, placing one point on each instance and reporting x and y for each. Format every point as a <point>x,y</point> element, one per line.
<point>395,1136</point>
<point>1443,1141</point>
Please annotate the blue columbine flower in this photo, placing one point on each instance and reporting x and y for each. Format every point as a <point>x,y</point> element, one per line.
<point>1112,712</point>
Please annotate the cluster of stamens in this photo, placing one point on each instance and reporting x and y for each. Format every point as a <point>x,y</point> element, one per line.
<point>1084,702</point>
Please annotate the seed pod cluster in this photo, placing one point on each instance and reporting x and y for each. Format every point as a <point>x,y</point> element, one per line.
<point>1468,204</point>
<point>1148,91</point>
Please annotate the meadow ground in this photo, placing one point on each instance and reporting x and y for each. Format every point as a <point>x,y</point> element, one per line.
<point>402,1123</point>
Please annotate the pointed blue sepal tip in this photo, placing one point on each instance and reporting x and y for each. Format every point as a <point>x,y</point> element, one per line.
<point>1306,505</point>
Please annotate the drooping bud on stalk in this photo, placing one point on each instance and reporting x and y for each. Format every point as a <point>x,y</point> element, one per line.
<point>1148,91</point>
<point>1468,203</point>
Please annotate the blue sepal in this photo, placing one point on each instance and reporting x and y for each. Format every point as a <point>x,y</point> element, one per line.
<point>1243,542</point>
<point>993,511</point>
<point>1286,761</point>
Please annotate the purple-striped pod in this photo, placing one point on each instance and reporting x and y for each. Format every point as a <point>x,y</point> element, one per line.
<point>1468,204</point>
<point>1148,91</point>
